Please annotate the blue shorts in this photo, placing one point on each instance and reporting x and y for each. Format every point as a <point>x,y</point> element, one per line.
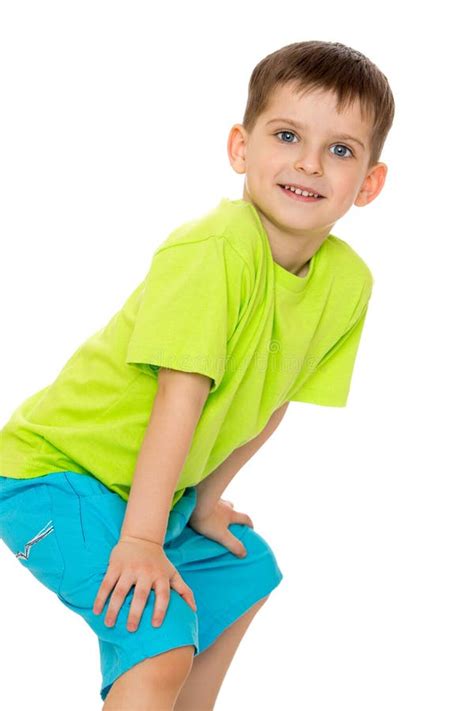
<point>63,526</point>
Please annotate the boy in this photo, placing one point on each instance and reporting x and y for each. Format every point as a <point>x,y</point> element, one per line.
<point>244,309</point>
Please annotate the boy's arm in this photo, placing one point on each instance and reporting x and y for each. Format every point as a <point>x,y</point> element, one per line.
<point>176,411</point>
<point>209,490</point>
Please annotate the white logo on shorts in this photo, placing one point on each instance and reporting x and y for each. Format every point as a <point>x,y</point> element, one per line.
<point>49,528</point>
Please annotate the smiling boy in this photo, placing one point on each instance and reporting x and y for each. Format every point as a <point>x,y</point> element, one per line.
<point>250,306</point>
<point>301,139</point>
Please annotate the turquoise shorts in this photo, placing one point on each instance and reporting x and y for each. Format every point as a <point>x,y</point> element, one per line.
<point>62,526</point>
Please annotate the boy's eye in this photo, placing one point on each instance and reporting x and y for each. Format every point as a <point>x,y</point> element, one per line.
<point>288,133</point>
<point>338,145</point>
<point>341,145</point>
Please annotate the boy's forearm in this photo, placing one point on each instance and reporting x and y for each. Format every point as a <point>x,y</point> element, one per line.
<point>210,489</point>
<point>159,463</point>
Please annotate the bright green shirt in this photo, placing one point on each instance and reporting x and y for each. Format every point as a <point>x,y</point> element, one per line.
<point>213,302</point>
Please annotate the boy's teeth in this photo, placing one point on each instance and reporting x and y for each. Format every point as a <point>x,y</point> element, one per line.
<point>300,192</point>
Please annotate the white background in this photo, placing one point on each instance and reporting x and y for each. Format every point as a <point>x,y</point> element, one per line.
<point>113,128</point>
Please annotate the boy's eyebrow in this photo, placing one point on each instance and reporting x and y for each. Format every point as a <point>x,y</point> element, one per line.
<point>298,125</point>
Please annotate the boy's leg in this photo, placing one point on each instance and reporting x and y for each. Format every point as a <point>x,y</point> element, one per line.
<point>151,684</point>
<point>200,690</point>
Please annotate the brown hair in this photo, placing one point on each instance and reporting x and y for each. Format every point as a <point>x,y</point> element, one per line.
<point>330,66</point>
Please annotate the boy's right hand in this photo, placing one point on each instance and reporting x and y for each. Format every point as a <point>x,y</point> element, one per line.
<point>134,561</point>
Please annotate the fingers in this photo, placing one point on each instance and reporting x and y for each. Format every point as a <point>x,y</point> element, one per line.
<point>143,575</point>
<point>232,542</point>
<point>104,590</point>
<point>162,598</point>
<point>238,517</point>
<point>116,601</point>
<point>234,545</point>
<point>184,590</point>
<point>140,596</point>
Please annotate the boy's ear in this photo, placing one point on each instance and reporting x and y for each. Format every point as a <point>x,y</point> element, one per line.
<point>236,147</point>
<point>372,185</point>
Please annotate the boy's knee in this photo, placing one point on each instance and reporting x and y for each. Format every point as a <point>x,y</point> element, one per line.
<point>170,669</point>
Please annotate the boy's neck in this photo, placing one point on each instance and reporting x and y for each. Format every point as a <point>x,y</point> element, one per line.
<point>292,252</point>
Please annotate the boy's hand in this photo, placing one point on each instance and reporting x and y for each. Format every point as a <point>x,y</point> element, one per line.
<point>134,561</point>
<point>215,525</point>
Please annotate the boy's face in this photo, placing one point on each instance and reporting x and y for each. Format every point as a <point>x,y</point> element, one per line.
<point>314,154</point>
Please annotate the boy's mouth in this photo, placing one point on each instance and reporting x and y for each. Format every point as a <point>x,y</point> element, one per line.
<point>298,196</point>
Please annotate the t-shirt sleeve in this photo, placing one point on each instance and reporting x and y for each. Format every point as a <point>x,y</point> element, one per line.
<point>330,382</point>
<point>182,316</point>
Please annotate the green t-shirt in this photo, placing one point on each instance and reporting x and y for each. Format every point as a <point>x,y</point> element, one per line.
<point>213,302</point>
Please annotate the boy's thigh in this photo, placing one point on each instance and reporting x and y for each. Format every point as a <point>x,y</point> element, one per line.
<point>27,528</point>
<point>63,526</point>
<point>170,668</point>
<point>224,585</point>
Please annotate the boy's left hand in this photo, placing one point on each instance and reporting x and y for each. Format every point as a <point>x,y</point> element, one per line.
<point>215,526</point>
